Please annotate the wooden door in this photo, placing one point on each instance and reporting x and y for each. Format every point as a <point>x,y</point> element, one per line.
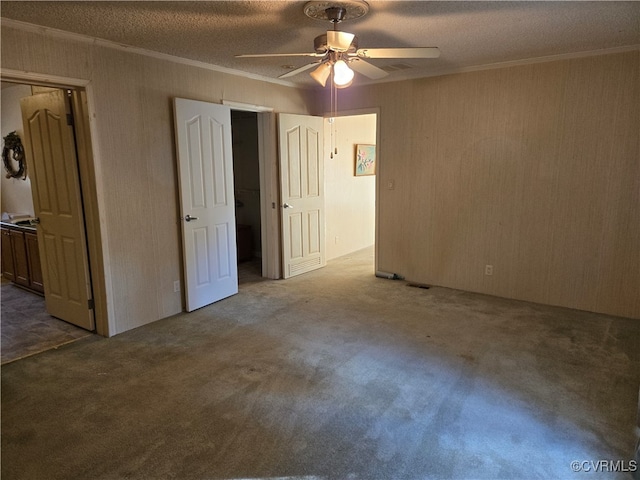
<point>302,186</point>
<point>53,168</point>
<point>207,202</point>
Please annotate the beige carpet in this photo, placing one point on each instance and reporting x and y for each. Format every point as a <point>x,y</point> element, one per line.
<point>27,329</point>
<point>335,374</point>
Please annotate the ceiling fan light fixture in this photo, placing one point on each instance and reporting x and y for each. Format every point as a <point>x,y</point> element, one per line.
<point>339,51</point>
<point>321,74</point>
<point>342,74</point>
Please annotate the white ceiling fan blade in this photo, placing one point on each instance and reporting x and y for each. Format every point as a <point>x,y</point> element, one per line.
<point>418,52</point>
<point>298,70</point>
<point>367,69</point>
<point>339,41</point>
<point>260,55</point>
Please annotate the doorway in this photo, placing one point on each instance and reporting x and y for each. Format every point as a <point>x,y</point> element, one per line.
<point>246,179</point>
<point>350,203</point>
<point>27,326</point>
<point>350,200</point>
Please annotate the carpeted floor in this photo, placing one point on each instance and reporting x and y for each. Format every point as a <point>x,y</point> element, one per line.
<point>334,374</point>
<point>26,328</point>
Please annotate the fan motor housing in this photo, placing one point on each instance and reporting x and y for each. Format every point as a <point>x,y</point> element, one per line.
<point>320,44</point>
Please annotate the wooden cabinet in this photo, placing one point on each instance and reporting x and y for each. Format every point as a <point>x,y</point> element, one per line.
<point>20,260</point>
<point>21,257</point>
<point>8,269</point>
<point>36,282</point>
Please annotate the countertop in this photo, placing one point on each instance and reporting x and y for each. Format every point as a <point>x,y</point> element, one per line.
<point>30,228</point>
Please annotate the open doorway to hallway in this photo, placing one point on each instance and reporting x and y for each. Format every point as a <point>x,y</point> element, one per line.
<point>351,202</point>
<point>350,220</point>
<point>350,199</point>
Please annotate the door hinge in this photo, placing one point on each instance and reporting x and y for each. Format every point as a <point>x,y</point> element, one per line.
<point>91,304</point>
<point>70,119</point>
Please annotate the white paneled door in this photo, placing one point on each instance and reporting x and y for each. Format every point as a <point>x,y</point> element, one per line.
<point>207,203</point>
<point>53,168</point>
<point>302,187</point>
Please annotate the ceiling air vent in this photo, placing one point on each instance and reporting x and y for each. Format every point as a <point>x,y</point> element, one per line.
<point>396,67</point>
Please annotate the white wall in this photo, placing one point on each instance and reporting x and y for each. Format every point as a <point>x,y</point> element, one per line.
<point>16,192</point>
<point>349,200</point>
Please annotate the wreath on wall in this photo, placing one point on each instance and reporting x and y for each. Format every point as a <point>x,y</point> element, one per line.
<point>13,151</point>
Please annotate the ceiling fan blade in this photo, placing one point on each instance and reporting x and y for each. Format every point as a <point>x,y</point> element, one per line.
<point>260,55</point>
<point>418,52</point>
<point>339,41</point>
<point>367,69</point>
<point>298,70</point>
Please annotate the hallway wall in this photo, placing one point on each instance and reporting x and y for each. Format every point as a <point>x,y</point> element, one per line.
<point>349,200</point>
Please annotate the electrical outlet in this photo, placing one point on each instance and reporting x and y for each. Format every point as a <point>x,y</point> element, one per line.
<point>391,185</point>
<point>337,239</point>
<point>176,286</point>
<point>488,269</point>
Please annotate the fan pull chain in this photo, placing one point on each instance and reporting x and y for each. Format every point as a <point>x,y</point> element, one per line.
<point>331,118</point>
<point>333,99</point>
<point>335,116</point>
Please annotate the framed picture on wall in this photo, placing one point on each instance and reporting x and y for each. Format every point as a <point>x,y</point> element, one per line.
<point>365,160</point>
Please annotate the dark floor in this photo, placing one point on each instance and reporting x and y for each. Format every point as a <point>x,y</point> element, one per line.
<point>250,271</point>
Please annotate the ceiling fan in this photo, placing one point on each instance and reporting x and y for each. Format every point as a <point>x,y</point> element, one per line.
<point>338,51</point>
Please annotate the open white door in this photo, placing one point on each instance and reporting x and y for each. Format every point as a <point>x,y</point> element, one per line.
<point>53,167</point>
<point>302,185</point>
<point>207,202</point>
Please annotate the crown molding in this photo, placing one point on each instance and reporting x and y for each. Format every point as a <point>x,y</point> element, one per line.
<point>86,39</point>
<point>513,63</point>
<point>407,75</point>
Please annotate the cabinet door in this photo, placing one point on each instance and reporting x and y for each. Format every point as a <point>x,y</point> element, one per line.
<point>20,260</point>
<point>35,270</point>
<point>8,269</point>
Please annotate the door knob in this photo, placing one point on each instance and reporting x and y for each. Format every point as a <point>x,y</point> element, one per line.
<point>189,218</point>
<point>286,205</point>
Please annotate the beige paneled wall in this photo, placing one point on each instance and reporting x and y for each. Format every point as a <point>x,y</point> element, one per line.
<point>532,169</point>
<point>131,98</point>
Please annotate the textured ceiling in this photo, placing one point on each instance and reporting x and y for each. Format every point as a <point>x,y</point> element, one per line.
<point>469,34</point>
